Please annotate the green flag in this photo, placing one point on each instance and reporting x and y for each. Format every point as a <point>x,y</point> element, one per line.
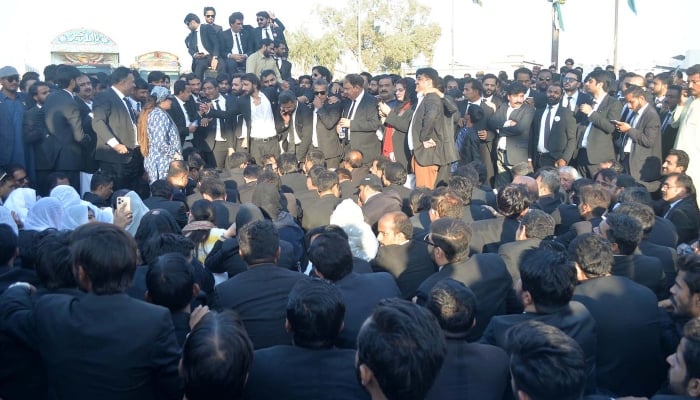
<point>560,18</point>
<point>477,2</point>
<point>633,7</point>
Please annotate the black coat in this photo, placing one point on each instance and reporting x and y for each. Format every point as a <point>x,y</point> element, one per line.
<point>409,263</point>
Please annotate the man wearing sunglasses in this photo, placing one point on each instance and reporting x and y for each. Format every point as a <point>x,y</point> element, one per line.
<point>209,17</point>
<point>326,115</point>
<point>269,27</point>
<point>12,106</point>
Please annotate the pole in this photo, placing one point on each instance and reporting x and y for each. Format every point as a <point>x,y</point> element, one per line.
<point>452,37</point>
<point>617,17</point>
<point>359,38</point>
<point>555,37</point>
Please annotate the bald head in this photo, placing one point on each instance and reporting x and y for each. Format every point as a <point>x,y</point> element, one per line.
<point>355,158</point>
<point>529,182</point>
<point>394,228</point>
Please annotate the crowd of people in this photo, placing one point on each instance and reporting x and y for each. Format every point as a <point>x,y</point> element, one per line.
<point>245,234</point>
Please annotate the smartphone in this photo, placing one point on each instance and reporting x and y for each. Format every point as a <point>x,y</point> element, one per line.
<point>124,203</point>
<point>614,121</point>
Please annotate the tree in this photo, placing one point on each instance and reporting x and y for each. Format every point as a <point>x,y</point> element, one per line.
<point>392,32</point>
<point>306,52</point>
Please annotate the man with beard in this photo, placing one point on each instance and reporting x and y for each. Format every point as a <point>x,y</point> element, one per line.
<point>553,138</point>
<point>235,44</point>
<point>491,86</point>
<point>386,90</point>
<point>84,94</point>
<point>668,132</point>
<point>686,119</point>
<point>284,66</point>
<point>573,97</point>
<point>184,111</point>
<point>683,376</point>
<point>262,60</point>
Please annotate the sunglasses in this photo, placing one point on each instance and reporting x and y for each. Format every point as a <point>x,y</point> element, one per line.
<point>427,240</point>
<point>13,78</point>
<point>209,16</point>
<point>321,93</point>
<point>261,19</point>
<point>545,79</point>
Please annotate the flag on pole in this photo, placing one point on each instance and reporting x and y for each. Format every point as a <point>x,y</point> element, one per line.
<point>477,2</point>
<point>559,22</point>
<point>633,7</point>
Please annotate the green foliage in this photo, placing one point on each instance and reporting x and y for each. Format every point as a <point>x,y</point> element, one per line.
<point>392,32</point>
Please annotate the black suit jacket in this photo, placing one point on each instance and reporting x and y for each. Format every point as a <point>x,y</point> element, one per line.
<point>178,116</point>
<point>573,319</point>
<point>645,157</point>
<point>492,233</point>
<point>177,209</point>
<point>209,39</point>
<point>380,204</point>
<point>400,119</point>
<point>686,218</point>
<point>364,125</point>
<point>642,269</point>
<point>37,135</point>
<point>409,263</point>
<point>327,119</point>
<point>293,372</point>
<point>429,122</point>
<point>302,120</point>
<point>512,251</point>
<point>583,98</point>
<point>90,347</point>
<point>362,293</point>
<point>111,120</point>
<point>562,136</point>
<point>600,143</point>
<point>472,371</point>
<point>65,124</point>
<point>487,276</point>
<point>666,255</point>
<point>277,34</point>
<point>285,70</point>
<point>294,182</point>
<point>668,133</point>
<point>318,211</point>
<point>227,43</point>
<point>663,233</point>
<point>625,309</point>
<point>205,137</point>
<point>259,295</point>
<point>518,136</point>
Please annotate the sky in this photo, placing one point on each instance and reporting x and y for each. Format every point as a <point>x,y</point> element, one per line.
<point>500,34</point>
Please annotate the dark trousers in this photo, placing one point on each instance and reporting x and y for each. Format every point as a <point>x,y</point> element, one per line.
<point>544,160</point>
<point>130,175</point>
<point>584,166</point>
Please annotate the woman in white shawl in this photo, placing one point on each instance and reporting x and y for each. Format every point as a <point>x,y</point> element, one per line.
<point>20,201</point>
<point>47,213</point>
<point>348,215</point>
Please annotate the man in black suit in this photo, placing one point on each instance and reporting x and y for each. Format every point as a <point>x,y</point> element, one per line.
<point>359,120</point>
<point>553,138</point>
<point>332,260</point>
<point>513,202</point>
<point>471,370</point>
<point>209,17</point>
<point>214,189</point>
<point>668,132</point>
<point>572,97</point>
<point>236,44</point>
<point>405,258</point>
<point>65,125</point>
<point>485,274</point>
<point>292,179</point>
<point>294,124</point>
<point>84,95</point>
<point>215,137</point>
<point>535,226</point>
<point>260,137</point>
<point>431,135</point>
<point>259,295</point>
<point>312,368</point>
<point>678,193</point>
<point>281,54</point>
<point>318,212</point>
<point>621,308</point>
<point>36,135</point>
<point>184,111</point>
<point>115,125</point>
<point>162,198</point>
<point>326,116</point>
<point>513,122</point>
<point>681,375</point>
<point>101,189</point>
<point>84,347</point>
<point>595,133</point>
<point>376,203</point>
<point>546,286</point>
<point>269,27</point>
<point>640,146</point>
<point>624,234</point>
<point>203,45</point>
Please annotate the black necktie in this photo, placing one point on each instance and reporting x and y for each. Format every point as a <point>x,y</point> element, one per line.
<point>568,104</point>
<point>352,107</point>
<point>667,120</point>
<point>216,105</point>
<point>238,44</point>
<point>547,128</point>
<point>267,33</point>
<point>131,110</point>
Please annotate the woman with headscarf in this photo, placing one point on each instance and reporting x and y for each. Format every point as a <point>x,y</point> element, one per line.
<point>201,229</point>
<point>348,215</point>
<point>76,215</point>
<point>47,213</point>
<point>158,135</point>
<point>20,201</point>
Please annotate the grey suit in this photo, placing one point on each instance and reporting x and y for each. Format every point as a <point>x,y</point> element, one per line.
<point>599,145</point>
<point>517,136</point>
<point>363,127</point>
<point>430,122</point>
<point>644,159</point>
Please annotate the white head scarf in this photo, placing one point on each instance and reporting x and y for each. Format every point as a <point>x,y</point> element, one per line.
<point>74,216</point>
<point>20,201</point>
<point>66,194</point>
<point>138,210</point>
<point>46,214</point>
<point>6,218</point>
<point>348,215</point>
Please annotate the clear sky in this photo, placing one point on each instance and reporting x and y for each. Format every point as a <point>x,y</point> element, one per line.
<point>501,30</point>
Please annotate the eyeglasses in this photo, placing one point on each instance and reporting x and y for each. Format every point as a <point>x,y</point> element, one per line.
<point>22,179</point>
<point>544,79</point>
<point>209,16</point>
<point>321,93</point>
<point>667,186</point>
<point>13,78</point>
<point>693,82</point>
<point>427,240</point>
<point>570,80</point>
